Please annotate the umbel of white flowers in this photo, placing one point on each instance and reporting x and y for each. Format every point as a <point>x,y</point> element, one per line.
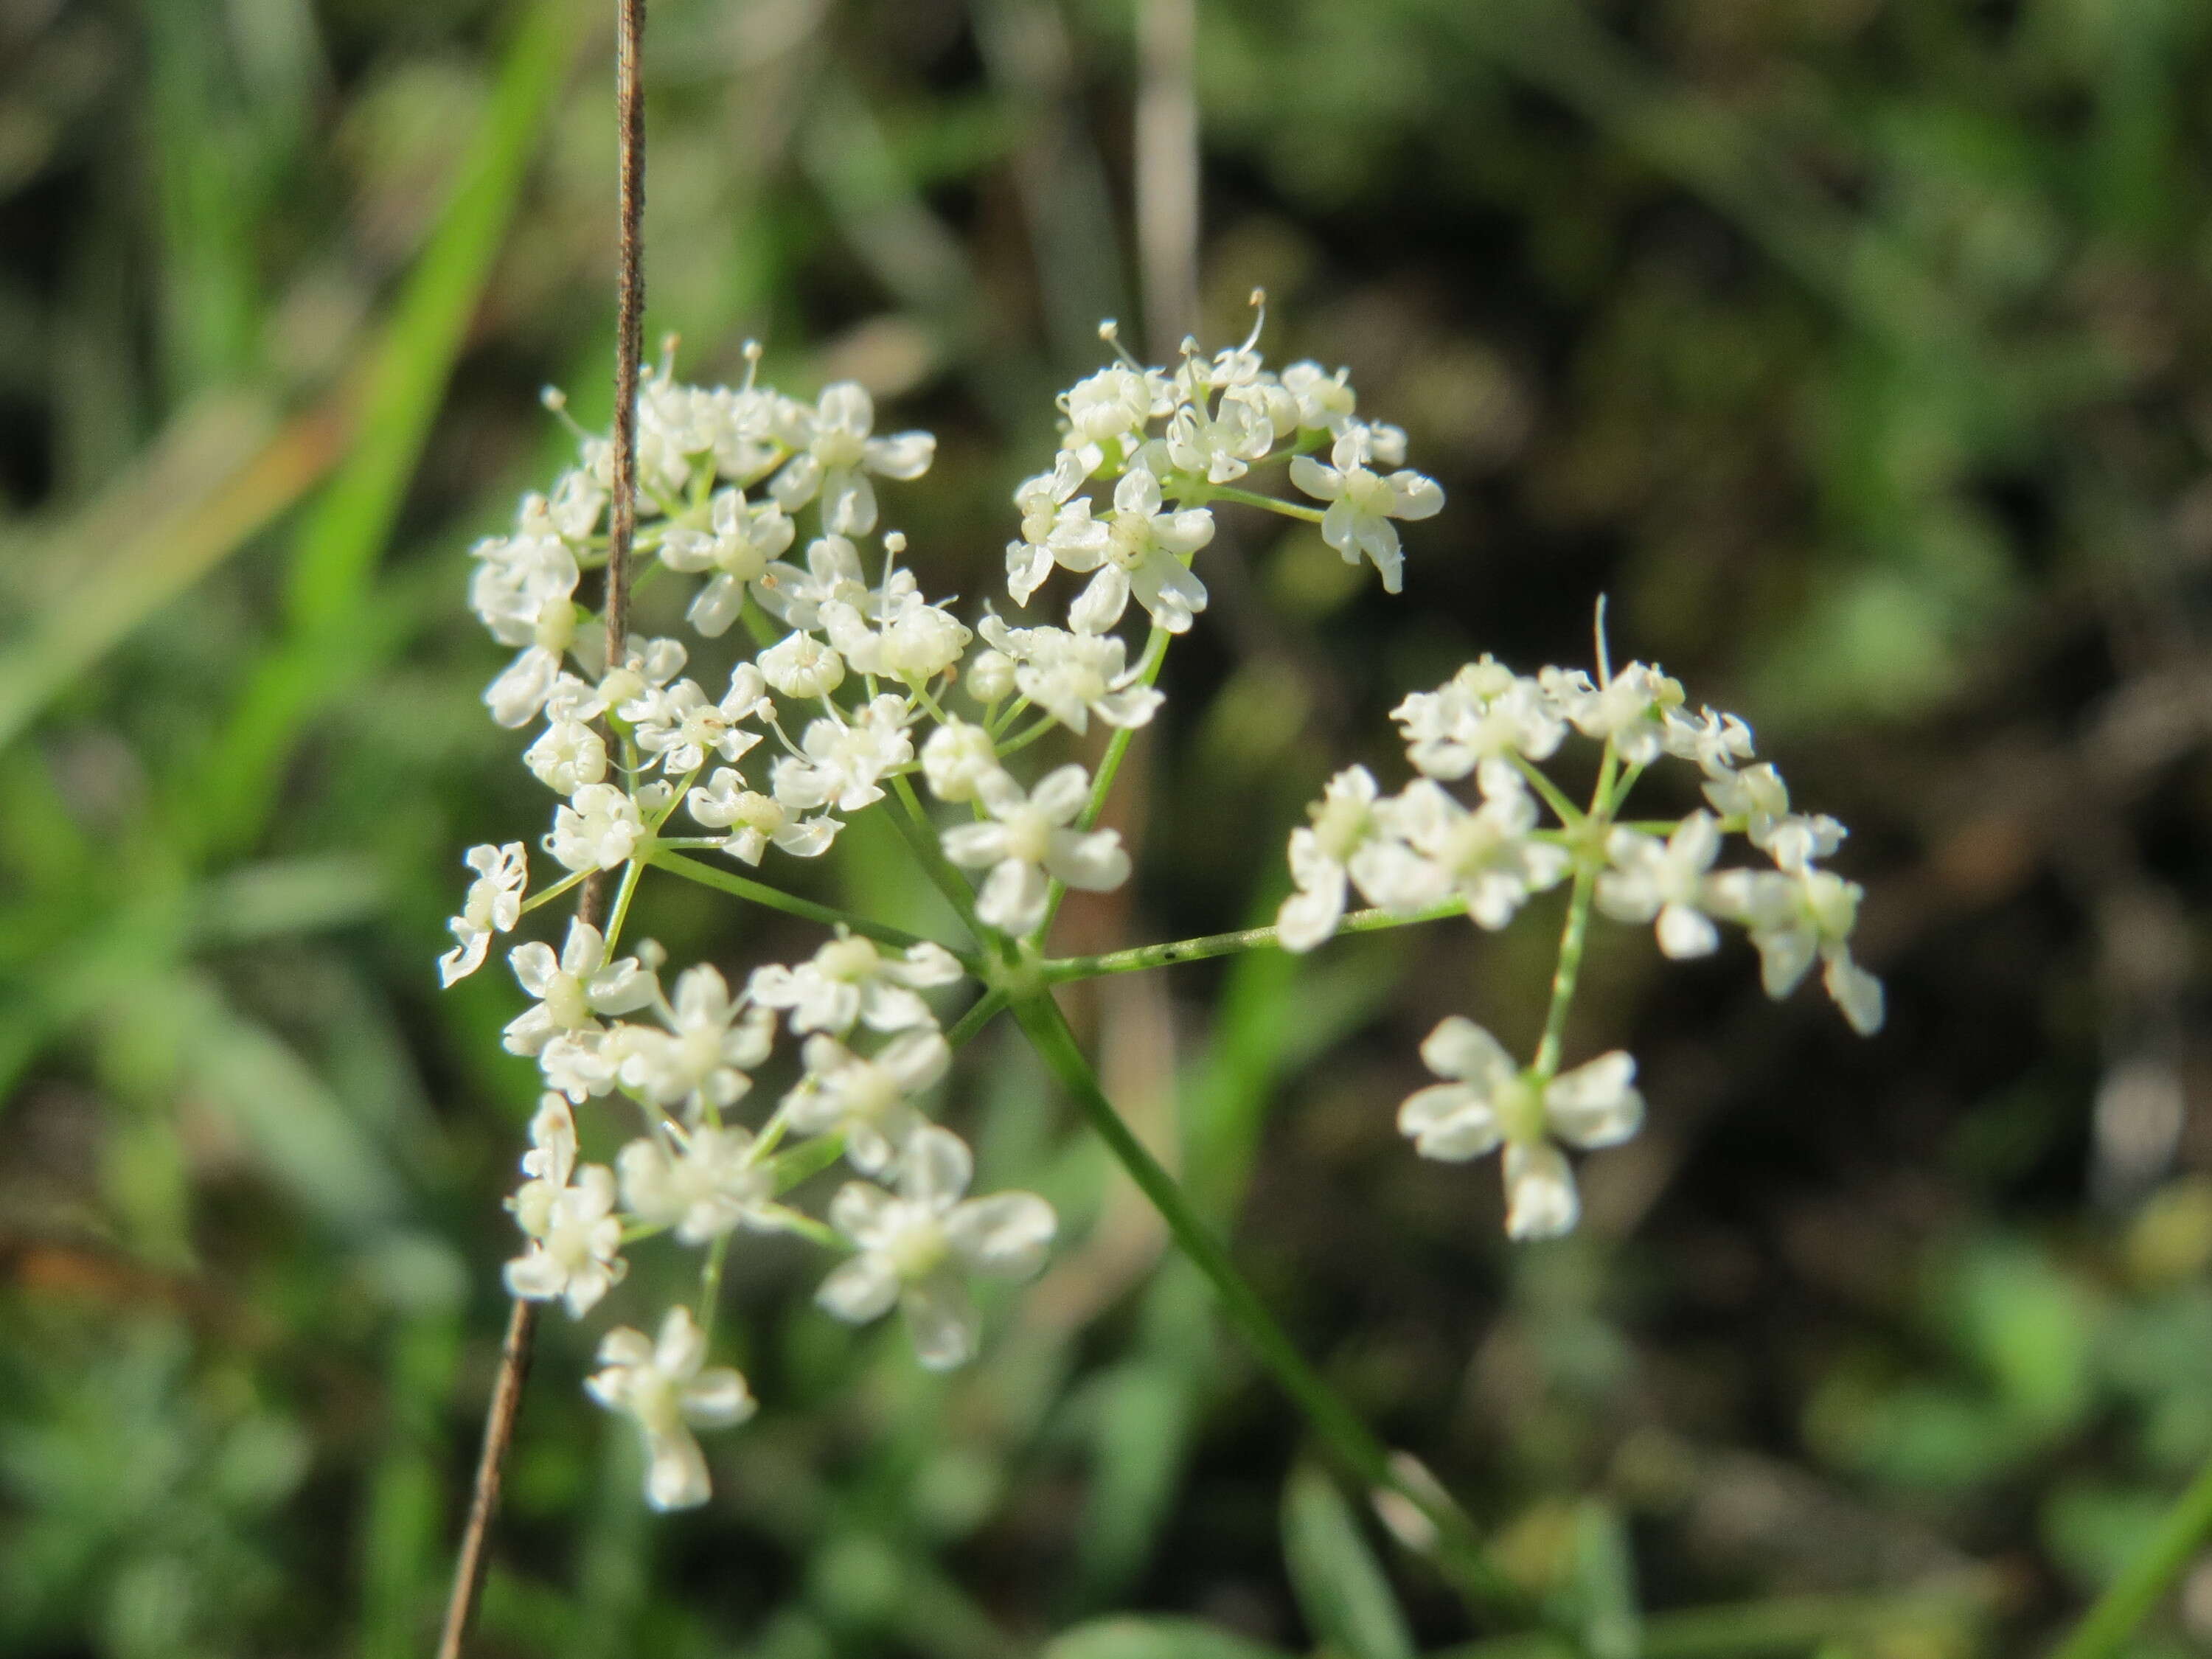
<point>1423,848</point>
<point>818,676</point>
<point>818,679</point>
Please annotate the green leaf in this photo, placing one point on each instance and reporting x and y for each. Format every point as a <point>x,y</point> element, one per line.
<point>1153,1638</point>
<point>1340,1587</point>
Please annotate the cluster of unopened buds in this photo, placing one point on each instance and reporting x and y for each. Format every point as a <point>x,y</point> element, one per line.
<point>840,686</point>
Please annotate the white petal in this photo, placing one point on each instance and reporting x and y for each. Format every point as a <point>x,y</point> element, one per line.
<point>860,1290</point>
<point>973,846</point>
<point>946,1326</point>
<point>1007,1235</point>
<point>1012,898</point>
<point>1539,1191</point>
<point>1449,1121</point>
<point>1061,793</point>
<point>1856,992</point>
<point>935,1169</point>
<point>1684,933</point>
<point>676,1476</point>
<point>717,1398</point>
<point>1308,917</point>
<point>1095,862</point>
<point>1101,604</point>
<point>1461,1049</point>
<point>1594,1105</point>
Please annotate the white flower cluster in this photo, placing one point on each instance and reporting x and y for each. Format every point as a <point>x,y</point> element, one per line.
<point>1424,849</point>
<point>833,685</point>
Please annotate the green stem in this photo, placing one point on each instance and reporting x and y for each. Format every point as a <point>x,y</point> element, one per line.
<point>1568,813</point>
<point>554,891</point>
<point>2128,1598</point>
<point>980,1013</point>
<point>1252,498</point>
<point>920,836</point>
<point>1573,939</point>
<point>805,1160</point>
<point>710,1287</point>
<point>1458,1552</point>
<point>1059,969</point>
<point>790,903</point>
<point>1576,934</point>
<point>631,872</point>
<point>806,1227</point>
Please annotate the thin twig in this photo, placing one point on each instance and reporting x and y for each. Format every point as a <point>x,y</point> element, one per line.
<point>591,900</point>
<point>499,1434</point>
<point>629,318</point>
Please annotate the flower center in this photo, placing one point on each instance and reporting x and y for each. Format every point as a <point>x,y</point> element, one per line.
<point>1029,836</point>
<point>848,960</point>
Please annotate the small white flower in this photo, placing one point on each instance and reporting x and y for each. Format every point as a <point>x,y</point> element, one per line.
<point>1343,821</point>
<point>1219,447</point>
<point>1325,401</point>
<point>571,511</point>
<point>1046,513</point>
<point>631,689</point>
<point>842,759</point>
<point>1665,879</point>
<point>573,988</point>
<point>990,677</point>
<point>756,821</point>
<point>1114,403</point>
<point>682,728</point>
<point>703,1061</point>
<point>1142,550</point>
<point>586,1061</point>
<point>851,979</point>
<point>670,1389</point>
<point>567,755</point>
<point>840,454</point>
<point>1362,503</point>
<point>795,596</point>
<point>869,1100</point>
<point>800,666</point>
<point>1630,710</point>
<point>1072,677</point>
<point>1716,742</point>
<point>1027,840</point>
<point>916,1248</point>
<point>577,1254</point>
<point>494,905</point>
<point>549,1162</point>
<point>912,648</point>
<point>1438,848</point>
<point>1483,713</point>
<point>744,539</point>
<point>703,1182</point>
<point>1488,1100</point>
<point>598,829</point>
<point>1758,796</point>
<point>957,759</point>
<point>1798,916</point>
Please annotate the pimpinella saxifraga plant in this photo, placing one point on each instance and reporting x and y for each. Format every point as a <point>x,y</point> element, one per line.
<point>820,681</point>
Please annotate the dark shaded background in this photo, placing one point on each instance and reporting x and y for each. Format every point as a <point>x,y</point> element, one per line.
<point>1858,350</point>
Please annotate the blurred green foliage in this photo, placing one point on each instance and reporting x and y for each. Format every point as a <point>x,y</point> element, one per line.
<point>1857,347</point>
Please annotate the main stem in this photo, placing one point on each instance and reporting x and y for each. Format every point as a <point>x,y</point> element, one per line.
<point>1458,1552</point>
<point>468,1564</point>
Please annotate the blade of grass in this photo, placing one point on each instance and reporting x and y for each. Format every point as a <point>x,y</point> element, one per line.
<point>335,558</point>
<point>214,479</point>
